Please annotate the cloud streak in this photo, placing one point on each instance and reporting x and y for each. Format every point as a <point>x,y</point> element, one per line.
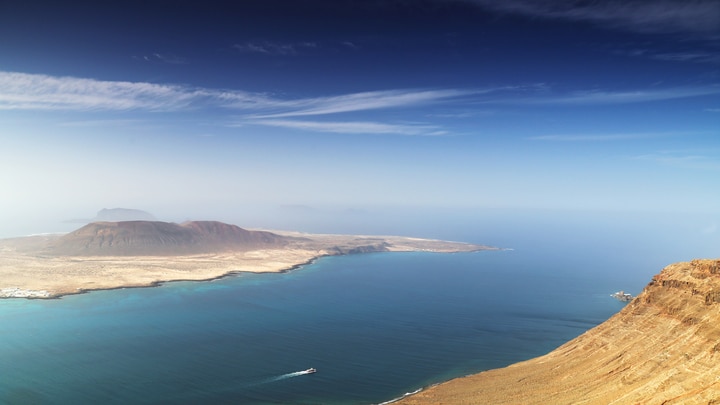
<point>167,58</point>
<point>700,17</point>
<point>100,123</point>
<point>617,137</point>
<point>683,159</point>
<point>355,127</point>
<point>21,91</point>
<point>599,97</point>
<point>684,56</point>
<point>696,57</point>
<point>274,48</point>
<point>584,138</point>
<point>360,102</point>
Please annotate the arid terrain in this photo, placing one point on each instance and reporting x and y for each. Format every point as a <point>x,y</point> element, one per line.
<point>662,348</point>
<point>105,255</point>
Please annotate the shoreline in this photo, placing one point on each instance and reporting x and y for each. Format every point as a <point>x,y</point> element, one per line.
<point>160,283</point>
<point>615,362</point>
<point>28,271</point>
<point>47,295</point>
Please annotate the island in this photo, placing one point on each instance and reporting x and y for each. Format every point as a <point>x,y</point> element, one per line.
<point>108,255</point>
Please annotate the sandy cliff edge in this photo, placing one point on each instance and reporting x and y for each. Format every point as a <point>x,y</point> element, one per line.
<point>662,348</point>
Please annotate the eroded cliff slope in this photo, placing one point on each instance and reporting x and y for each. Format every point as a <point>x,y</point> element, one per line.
<point>662,348</point>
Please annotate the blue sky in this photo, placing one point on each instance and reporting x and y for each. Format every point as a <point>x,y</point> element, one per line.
<point>247,111</point>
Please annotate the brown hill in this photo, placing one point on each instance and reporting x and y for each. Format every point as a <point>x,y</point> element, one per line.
<point>154,238</point>
<point>663,348</point>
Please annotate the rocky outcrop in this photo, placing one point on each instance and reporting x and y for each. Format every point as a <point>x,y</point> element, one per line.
<point>137,238</point>
<point>662,348</point>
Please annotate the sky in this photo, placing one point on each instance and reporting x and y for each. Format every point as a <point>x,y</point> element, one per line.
<point>259,112</point>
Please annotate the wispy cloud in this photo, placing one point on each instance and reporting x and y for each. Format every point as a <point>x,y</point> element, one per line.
<point>168,58</point>
<point>20,91</point>
<point>355,127</point>
<point>595,97</point>
<point>274,48</point>
<point>696,57</point>
<point>349,44</point>
<point>712,109</point>
<point>463,114</point>
<point>592,138</point>
<point>42,92</point>
<point>360,102</point>
<point>704,160</point>
<point>617,137</point>
<point>698,17</point>
<point>100,123</point>
<point>691,56</point>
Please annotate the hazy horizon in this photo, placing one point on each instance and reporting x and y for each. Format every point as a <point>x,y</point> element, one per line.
<point>355,115</point>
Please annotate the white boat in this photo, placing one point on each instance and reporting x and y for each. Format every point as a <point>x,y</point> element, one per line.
<point>310,371</point>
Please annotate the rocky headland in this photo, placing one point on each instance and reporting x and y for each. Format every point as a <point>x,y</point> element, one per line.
<point>662,348</point>
<point>105,255</point>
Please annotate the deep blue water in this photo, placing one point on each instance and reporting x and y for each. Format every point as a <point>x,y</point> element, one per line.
<point>375,326</point>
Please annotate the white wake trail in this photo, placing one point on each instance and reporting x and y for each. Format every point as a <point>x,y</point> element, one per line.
<point>288,375</point>
<point>279,378</point>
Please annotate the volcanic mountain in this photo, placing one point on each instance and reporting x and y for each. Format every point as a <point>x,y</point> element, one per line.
<point>155,238</point>
<point>662,348</point>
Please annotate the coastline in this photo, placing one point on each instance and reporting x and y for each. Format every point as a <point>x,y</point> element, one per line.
<point>11,292</point>
<point>661,348</point>
<point>160,283</point>
<point>31,274</point>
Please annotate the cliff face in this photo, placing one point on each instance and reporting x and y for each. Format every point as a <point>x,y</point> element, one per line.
<point>662,348</point>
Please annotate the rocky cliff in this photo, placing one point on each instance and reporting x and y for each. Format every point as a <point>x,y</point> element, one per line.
<point>662,348</point>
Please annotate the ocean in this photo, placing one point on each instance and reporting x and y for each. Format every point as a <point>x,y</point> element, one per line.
<point>375,326</point>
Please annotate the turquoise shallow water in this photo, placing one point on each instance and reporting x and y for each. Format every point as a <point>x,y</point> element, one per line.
<point>375,326</point>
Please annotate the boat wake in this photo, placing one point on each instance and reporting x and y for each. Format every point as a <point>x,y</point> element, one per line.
<point>286,376</point>
<point>282,377</point>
